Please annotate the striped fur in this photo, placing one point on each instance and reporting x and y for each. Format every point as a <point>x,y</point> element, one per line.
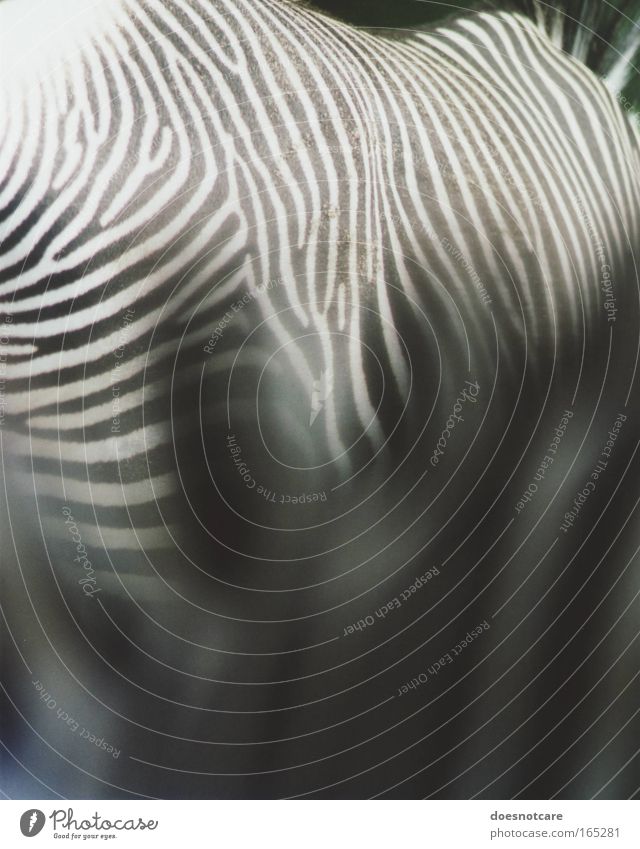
<point>246,225</point>
<point>161,176</point>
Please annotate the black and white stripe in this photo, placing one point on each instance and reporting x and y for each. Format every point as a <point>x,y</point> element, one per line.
<point>380,216</point>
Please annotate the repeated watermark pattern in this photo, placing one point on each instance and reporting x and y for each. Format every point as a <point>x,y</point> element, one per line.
<point>236,307</point>
<point>72,724</point>
<point>88,581</point>
<point>547,461</point>
<point>469,393</point>
<point>454,252</point>
<point>599,469</point>
<point>450,657</point>
<point>269,495</point>
<point>395,604</point>
<point>606,280</point>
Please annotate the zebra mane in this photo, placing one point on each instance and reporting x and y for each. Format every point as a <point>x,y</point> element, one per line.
<point>603,34</point>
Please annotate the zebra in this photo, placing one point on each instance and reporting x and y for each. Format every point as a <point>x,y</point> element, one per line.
<point>319,349</point>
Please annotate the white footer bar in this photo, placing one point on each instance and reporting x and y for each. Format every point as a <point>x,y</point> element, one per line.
<point>320,824</point>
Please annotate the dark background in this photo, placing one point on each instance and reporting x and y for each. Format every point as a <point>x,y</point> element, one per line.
<point>391,13</point>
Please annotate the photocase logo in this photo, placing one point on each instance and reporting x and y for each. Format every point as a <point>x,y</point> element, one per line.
<point>32,822</point>
<point>320,393</point>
